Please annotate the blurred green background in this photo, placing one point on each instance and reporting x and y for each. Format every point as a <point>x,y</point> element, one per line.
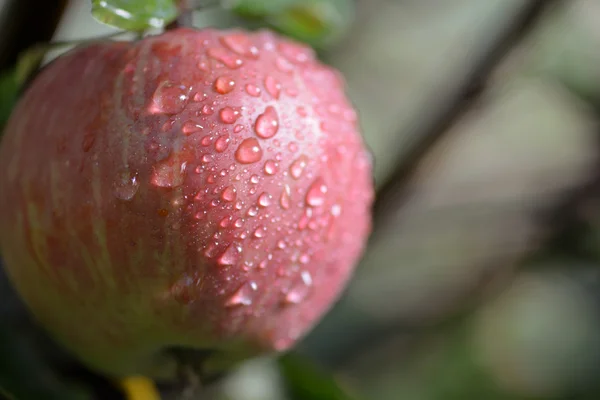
<point>482,276</point>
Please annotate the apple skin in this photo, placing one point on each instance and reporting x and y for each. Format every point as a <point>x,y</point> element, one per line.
<point>197,189</point>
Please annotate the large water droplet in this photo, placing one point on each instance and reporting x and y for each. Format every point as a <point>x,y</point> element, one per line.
<point>221,143</point>
<point>315,196</point>
<point>283,64</point>
<point>249,151</point>
<point>224,85</point>
<point>260,232</point>
<point>231,255</point>
<point>190,127</point>
<point>229,194</point>
<point>169,98</point>
<point>300,289</point>
<point>253,90</point>
<point>273,86</point>
<point>242,296</point>
<point>241,44</point>
<point>285,198</point>
<point>126,185</point>
<point>270,167</point>
<point>264,200</point>
<point>168,173</point>
<point>295,52</point>
<point>222,55</point>
<point>228,115</point>
<point>297,167</point>
<point>267,123</point>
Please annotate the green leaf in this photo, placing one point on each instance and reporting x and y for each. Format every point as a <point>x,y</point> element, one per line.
<point>135,15</point>
<point>258,8</point>
<point>13,79</point>
<point>307,381</point>
<point>316,22</point>
<point>9,93</point>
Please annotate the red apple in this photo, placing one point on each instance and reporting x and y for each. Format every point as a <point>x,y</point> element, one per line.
<point>197,189</point>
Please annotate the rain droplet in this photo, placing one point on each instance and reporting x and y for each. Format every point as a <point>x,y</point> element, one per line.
<point>270,167</point>
<point>207,110</point>
<point>238,128</point>
<point>295,52</point>
<point>225,57</point>
<point>249,151</point>
<point>242,296</point>
<point>285,198</point>
<point>229,194</point>
<point>283,65</point>
<point>315,196</point>
<point>241,44</point>
<point>252,212</point>
<point>126,185</point>
<point>254,179</point>
<point>168,174</point>
<point>206,140</point>
<point>221,143</point>
<point>228,115</point>
<point>253,90</point>
<point>336,210</point>
<point>190,127</point>
<point>267,123</point>
<point>297,167</point>
<point>225,222</point>
<point>259,232</point>
<point>264,200</point>
<point>169,98</point>
<point>231,255</point>
<point>273,86</point>
<point>224,85</point>
<point>300,290</point>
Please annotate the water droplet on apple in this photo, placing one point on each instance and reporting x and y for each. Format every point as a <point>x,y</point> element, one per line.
<point>169,98</point>
<point>297,167</point>
<point>264,200</point>
<point>224,85</point>
<point>228,194</point>
<point>249,151</point>
<point>242,296</point>
<point>285,198</point>
<point>315,196</point>
<point>228,115</point>
<point>267,123</point>
<point>273,86</point>
<point>126,185</point>
<point>221,143</point>
<point>300,289</point>
<point>231,255</point>
<point>270,167</point>
<point>253,90</point>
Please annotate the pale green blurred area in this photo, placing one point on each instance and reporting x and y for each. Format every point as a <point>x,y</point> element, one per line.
<point>447,303</point>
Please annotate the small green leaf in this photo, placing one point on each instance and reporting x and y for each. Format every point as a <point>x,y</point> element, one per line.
<point>307,381</point>
<point>135,15</point>
<point>9,93</point>
<point>13,79</point>
<point>316,22</point>
<point>258,8</point>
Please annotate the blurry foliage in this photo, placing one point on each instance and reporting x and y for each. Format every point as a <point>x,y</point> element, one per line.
<point>135,15</point>
<point>305,380</point>
<point>13,80</point>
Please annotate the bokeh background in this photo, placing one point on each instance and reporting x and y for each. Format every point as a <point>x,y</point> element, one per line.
<point>482,277</point>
